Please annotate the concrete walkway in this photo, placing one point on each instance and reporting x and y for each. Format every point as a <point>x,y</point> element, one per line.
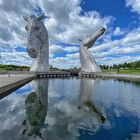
<point>9,84</point>
<point>125,77</point>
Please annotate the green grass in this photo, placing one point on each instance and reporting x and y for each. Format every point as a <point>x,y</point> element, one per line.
<point>130,71</point>
<point>122,71</point>
<point>109,70</point>
<point>2,69</point>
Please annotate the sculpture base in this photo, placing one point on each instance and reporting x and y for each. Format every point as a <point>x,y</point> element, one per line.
<point>89,74</point>
<point>53,74</point>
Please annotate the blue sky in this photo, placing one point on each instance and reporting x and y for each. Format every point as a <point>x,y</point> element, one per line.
<point>66,22</point>
<point>116,8</point>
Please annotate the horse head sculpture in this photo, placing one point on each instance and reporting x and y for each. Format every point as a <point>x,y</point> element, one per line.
<point>88,63</point>
<point>38,43</point>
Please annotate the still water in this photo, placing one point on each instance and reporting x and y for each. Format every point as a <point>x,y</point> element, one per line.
<point>72,109</point>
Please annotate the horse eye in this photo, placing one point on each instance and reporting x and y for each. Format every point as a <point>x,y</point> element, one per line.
<point>36,28</point>
<point>26,27</point>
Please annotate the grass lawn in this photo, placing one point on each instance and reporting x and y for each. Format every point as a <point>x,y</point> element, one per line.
<point>122,71</point>
<point>2,69</point>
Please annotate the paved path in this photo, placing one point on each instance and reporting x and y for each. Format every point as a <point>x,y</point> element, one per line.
<point>122,76</point>
<point>127,77</point>
<point>5,80</point>
<point>9,84</point>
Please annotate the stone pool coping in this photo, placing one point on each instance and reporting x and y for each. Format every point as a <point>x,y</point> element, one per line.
<point>126,77</point>
<point>9,84</point>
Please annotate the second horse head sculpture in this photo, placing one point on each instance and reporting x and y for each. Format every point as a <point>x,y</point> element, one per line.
<point>38,43</point>
<point>88,63</point>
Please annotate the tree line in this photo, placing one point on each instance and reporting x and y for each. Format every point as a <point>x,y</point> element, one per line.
<point>130,65</point>
<point>13,68</point>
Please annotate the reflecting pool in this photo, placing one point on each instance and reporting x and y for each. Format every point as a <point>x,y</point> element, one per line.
<point>72,109</point>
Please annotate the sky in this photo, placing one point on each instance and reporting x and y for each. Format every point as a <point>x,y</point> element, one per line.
<point>70,20</point>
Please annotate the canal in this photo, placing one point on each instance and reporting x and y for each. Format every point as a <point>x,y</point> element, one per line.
<point>72,109</point>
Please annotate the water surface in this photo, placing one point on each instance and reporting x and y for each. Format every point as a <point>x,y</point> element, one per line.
<point>72,109</point>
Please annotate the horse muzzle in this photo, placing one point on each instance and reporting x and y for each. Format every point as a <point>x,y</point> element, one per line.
<point>32,52</point>
<point>102,30</point>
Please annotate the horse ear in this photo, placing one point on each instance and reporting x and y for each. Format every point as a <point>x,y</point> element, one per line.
<point>41,16</point>
<point>26,18</point>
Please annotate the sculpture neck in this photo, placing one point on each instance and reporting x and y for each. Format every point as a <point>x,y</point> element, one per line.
<point>88,63</point>
<point>43,58</point>
<point>41,63</point>
<point>42,55</point>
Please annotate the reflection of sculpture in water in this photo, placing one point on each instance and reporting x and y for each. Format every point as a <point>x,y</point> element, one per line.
<point>36,108</point>
<point>87,117</point>
<point>38,43</point>
<point>88,63</point>
<point>65,121</point>
<point>86,100</point>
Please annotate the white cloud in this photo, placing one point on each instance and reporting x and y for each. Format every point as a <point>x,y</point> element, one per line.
<point>134,4</point>
<point>56,49</point>
<point>117,31</point>
<point>118,60</point>
<point>73,56</point>
<point>15,58</point>
<point>71,49</point>
<point>70,60</point>
<point>67,24</point>
<point>78,27</point>
<point>18,58</point>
